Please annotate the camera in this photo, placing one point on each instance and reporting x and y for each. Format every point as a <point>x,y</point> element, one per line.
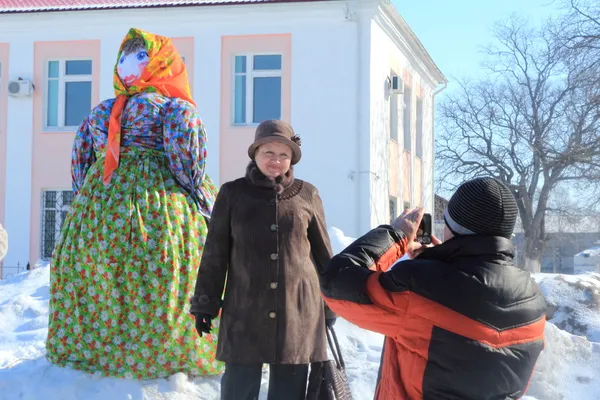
<point>424,231</point>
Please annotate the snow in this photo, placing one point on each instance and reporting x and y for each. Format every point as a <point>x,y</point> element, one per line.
<point>593,252</point>
<point>566,369</point>
<point>574,302</point>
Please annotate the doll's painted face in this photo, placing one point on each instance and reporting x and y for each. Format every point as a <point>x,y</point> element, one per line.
<point>132,65</point>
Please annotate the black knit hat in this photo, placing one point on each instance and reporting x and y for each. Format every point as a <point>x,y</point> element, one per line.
<point>483,206</point>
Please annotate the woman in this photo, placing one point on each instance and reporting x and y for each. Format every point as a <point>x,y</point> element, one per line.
<point>268,236</point>
<point>123,270</point>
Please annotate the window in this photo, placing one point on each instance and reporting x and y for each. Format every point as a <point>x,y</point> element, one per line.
<point>394,117</point>
<point>407,113</point>
<point>55,205</point>
<point>393,208</point>
<point>69,93</point>
<point>257,88</point>
<point>419,139</point>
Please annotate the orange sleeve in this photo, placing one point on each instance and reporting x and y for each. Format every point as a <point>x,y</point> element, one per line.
<point>384,315</point>
<point>392,255</point>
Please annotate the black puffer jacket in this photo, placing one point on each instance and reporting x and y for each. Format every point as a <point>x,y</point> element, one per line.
<point>462,322</point>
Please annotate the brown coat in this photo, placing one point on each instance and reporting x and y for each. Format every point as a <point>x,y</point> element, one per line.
<point>269,246</point>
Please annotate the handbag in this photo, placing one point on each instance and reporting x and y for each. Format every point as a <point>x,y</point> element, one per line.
<point>328,379</point>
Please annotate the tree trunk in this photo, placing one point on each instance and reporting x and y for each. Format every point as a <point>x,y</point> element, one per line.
<point>532,258</point>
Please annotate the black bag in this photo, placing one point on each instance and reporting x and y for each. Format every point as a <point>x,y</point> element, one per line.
<point>328,380</point>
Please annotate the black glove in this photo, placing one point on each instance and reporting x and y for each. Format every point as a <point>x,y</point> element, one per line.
<point>203,323</point>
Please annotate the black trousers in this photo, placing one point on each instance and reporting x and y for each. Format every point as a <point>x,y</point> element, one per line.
<point>286,382</point>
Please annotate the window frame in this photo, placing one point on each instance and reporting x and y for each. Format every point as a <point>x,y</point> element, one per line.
<point>250,74</point>
<point>59,220</point>
<point>63,79</point>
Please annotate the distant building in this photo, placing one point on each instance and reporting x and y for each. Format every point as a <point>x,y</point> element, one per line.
<point>439,207</point>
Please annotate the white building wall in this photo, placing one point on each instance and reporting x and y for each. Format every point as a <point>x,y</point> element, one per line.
<point>381,62</point>
<point>386,55</point>
<point>325,108</point>
<point>19,142</point>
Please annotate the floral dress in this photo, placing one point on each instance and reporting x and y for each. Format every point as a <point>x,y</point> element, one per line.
<point>124,268</point>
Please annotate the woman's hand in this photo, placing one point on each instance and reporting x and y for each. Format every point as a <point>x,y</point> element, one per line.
<point>203,324</point>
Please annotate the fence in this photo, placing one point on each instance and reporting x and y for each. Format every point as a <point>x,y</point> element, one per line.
<point>6,271</point>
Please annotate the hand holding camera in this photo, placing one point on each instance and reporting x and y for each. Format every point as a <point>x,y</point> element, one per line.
<point>417,227</point>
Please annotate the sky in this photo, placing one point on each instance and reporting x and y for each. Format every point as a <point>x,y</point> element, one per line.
<point>453,31</point>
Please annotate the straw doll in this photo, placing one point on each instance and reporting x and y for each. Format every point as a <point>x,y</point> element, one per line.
<point>124,268</point>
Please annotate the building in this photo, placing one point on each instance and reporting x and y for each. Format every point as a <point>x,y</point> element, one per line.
<point>351,77</point>
<point>587,261</point>
<point>568,237</point>
<point>439,223</point>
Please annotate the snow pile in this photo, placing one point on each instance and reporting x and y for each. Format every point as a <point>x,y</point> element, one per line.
<point>574,302</point>
<point>567,369</point>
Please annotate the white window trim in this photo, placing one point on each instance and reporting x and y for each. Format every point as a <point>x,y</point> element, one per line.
<point>250,75</point>
<point>62,80</point>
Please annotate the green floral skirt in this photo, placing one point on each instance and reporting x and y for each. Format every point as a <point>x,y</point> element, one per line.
<point>123,272</point>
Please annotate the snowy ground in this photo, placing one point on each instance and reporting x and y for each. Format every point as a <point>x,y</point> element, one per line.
<point>567,369</point>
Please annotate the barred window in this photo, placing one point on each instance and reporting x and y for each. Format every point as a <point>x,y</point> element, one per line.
<point>55,206</point>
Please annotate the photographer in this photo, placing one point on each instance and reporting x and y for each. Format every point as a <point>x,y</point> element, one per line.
<point>460,320</point>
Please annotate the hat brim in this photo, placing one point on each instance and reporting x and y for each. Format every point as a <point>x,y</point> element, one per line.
<point>296,152</point>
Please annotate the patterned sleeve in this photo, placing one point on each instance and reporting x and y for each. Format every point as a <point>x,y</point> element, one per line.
<point>83,155</point>
<point>185,147</point>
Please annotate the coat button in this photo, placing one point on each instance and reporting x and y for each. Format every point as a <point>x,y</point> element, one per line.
<point>272,315</point>
<point>272,202</point>
<point>273,285</point>
<point>273,228</point>
<point>274,256</point>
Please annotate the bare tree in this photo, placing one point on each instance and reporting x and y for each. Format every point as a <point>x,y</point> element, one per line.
<point>530,123</point>
<point>579,32</point>
<point>580,27</point>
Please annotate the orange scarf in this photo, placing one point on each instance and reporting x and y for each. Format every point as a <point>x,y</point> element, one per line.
<point>165,74</point>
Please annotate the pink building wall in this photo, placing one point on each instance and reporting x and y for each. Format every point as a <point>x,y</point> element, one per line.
<point>185,46</point>
<point>51,161</point>
<point>235,139</point>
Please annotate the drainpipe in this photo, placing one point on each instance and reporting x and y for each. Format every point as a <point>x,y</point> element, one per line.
<point>435,93</point>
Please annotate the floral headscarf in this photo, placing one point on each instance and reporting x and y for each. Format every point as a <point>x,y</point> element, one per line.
<point>165,74</point>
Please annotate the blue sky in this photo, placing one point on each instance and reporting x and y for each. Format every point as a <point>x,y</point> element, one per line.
<point>453,31</point>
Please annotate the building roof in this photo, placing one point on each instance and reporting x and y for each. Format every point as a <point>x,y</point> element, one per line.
<point>22,6</point>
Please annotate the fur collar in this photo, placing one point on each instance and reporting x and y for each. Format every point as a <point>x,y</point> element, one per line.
<point>257,178</point>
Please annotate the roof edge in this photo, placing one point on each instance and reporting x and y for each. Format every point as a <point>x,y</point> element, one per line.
<point>396,17</point>
<point>106,7</point>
